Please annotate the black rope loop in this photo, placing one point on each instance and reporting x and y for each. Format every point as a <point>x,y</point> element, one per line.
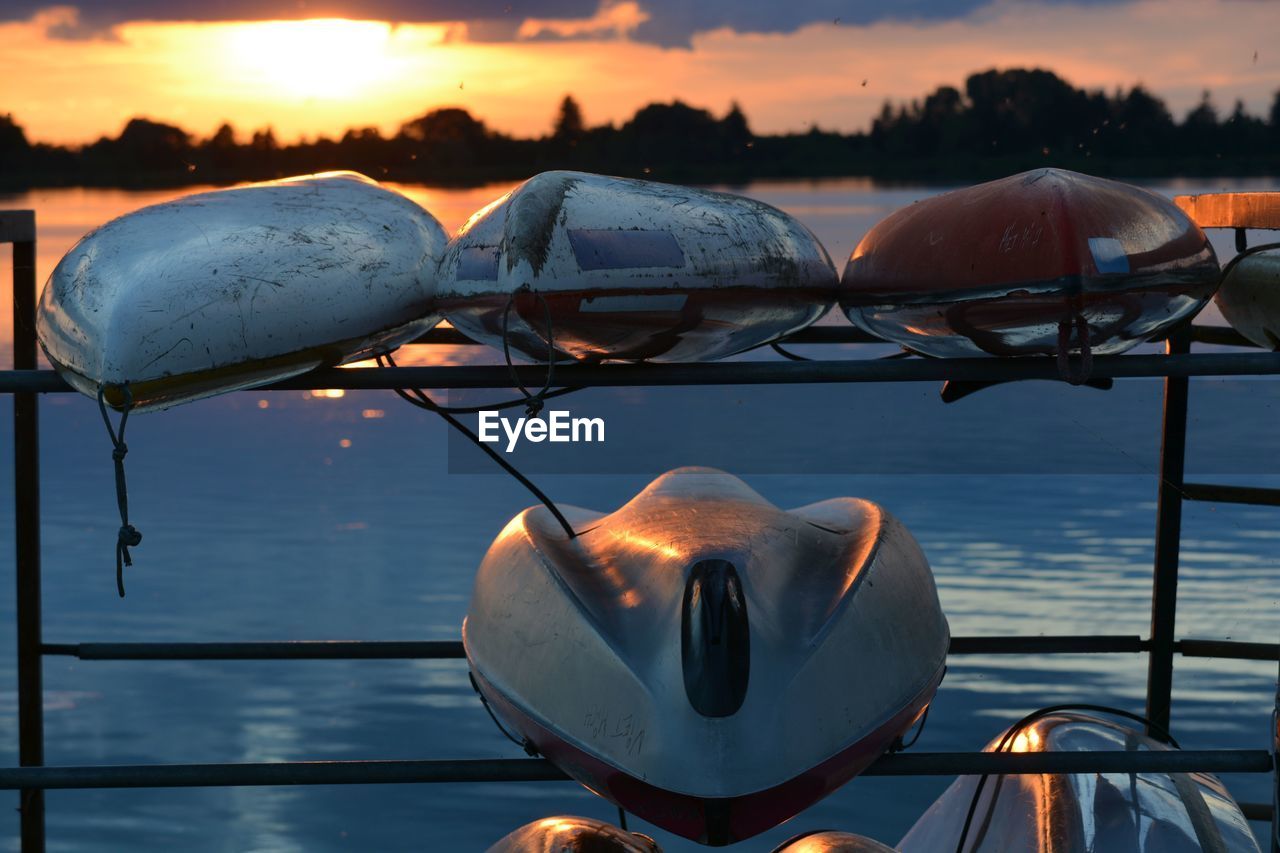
<point>1073,373</point>
<point>418,397</point>
<point>523,742</point>
<point>533,402</point>
<point>127,536</point>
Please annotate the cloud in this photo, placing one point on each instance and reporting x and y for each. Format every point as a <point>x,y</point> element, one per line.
<point>666,23</point>
<point>614,18</point>
<point>199,75</point>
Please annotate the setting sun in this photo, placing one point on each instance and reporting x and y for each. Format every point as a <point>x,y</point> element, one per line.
<point>324,58</point>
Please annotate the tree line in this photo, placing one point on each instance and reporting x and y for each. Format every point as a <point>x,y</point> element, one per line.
<point>1003,121</point>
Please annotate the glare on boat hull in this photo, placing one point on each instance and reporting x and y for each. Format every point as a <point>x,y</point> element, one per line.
<point>632,270</point>
<point>703,659</point>
<point>1084,812</point>
<point>240,287</point>
<point>1028,265</point>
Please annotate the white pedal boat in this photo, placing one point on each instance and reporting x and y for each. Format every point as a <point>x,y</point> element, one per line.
<point>708,662</point>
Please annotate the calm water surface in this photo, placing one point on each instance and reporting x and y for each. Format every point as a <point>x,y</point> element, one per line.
<point>286,515</point>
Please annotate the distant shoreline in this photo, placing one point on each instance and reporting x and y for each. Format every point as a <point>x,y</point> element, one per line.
<point>1002,123</point>
<point>907,173</point>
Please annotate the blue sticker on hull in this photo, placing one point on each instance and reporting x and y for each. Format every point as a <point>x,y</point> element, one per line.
<point>1108,255</point>
<point>600,249</point>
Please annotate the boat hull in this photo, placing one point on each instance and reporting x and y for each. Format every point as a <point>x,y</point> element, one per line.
<point>832,842</point>
<point>632,270</point>
<point>240,287</point>
<point>1084,813</point>
<point>703,659</point>
<point>714,821</point>
<point>1030,265</point>
<point>570,834</point>
<point>1250,298</point>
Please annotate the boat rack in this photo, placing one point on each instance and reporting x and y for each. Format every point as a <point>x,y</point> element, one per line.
<point>25,382</point>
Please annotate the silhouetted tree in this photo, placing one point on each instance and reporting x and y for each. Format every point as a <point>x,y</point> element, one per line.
<point>569,126</point>
<point>13,139</point>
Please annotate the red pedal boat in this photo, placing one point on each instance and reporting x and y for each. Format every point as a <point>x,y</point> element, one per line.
<point>1045,262</point>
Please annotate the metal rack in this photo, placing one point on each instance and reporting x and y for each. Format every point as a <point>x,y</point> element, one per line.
<point>25,382</point>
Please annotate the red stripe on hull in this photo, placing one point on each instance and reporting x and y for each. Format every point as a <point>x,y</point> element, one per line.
<point>713,821</point>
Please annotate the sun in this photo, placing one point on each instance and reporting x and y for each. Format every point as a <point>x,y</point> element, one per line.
<point>328,58</point>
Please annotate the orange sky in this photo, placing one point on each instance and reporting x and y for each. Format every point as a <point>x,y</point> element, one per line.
<point>306,78</point>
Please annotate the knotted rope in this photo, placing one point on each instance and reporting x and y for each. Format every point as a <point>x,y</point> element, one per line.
<point>128,536</point>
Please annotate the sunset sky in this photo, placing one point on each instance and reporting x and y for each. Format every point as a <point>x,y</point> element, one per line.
<point>71,74</point>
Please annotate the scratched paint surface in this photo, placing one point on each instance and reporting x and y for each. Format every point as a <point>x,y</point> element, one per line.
<point>260,524</point>
<point>995,268</point>
<point>750,272</point>
<point>254,283</point>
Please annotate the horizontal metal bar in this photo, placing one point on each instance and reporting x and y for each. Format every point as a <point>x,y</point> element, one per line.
<point>287,650</point>
<point>452,649</point>
<point>1216,493</point>
<point>1250,209</point>
<point>736,373</point>
<point>375,650</point>
<point>1147,761</point>
<point>1257,811</point>
<point>811,335</point>
<point>536,770</point>
<point>1224,336</point>
<point>1228,649</point>
<point>1101,643</point>
<point>17,226</point>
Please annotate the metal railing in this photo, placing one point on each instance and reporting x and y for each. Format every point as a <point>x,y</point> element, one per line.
<point>25,382</point>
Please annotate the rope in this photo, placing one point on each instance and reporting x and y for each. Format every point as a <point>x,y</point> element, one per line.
<point>533,402</point>
<point>525,744</point>
<point>1031,718</point>
<point>899,746</point>
<point>419,398</point>
<point>128,536</point>
<point>1074,375</point>
<point>787,354</point>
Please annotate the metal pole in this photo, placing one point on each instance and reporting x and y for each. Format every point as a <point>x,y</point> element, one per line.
<point>1275,771</point>
<point>26,493</point>
<point>1164,587</point>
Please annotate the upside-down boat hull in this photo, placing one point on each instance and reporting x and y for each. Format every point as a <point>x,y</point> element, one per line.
<point>711,820</point>
<point>569,834</point>
<point>1030,264</point>
<point>1084,813</point>
<point>632,270</point>
<point>1249,298</point>
<point>706,661</point>
<point>240,287</point>
<point>832,842</point>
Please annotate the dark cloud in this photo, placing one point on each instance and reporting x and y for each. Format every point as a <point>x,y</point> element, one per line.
<point>670,23</point>
<point>98,18</point>
<point>673,23</point>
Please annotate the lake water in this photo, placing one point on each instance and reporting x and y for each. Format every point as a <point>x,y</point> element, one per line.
<point>291,515</point>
